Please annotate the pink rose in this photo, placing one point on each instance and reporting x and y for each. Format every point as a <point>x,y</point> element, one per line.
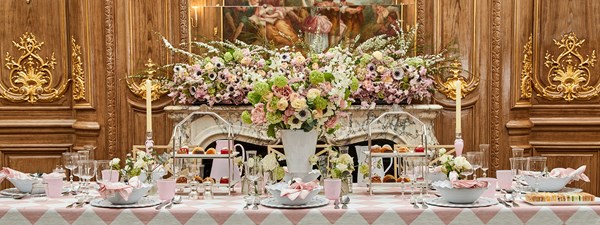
<point>330,123</point>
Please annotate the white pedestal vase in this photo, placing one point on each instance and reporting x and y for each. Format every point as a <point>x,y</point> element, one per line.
<point>298,146</point>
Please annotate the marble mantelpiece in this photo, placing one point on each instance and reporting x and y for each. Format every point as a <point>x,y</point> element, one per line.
<point>204,130</point>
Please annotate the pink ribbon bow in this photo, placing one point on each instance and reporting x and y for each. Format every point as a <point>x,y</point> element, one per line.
<point>469,184</point>
<point>10,173</point>
<point>299,189</point>
<point>577,174</point>
<point>107,190</point>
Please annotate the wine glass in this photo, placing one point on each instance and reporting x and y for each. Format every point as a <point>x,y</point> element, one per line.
<point>105,173</point>
<point>84,155</point>
<point>517,152</point>
<point>87,170</point>
<point>475,159</point>
<point>517,166</point>
<point>411,174</point>
<point>535,167</point>
<point>252,174</point>
<point>485,163</point>
<point>70,161</point>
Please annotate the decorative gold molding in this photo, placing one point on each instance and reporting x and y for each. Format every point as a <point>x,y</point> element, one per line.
<point>527,71</point>
<point>77,71</point>
<point>139,89</point>
<point>448,86</point>
<point>31,75</point>
<point>569,74</point>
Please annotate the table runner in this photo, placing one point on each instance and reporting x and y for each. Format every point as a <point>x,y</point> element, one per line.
<point>363,209</point>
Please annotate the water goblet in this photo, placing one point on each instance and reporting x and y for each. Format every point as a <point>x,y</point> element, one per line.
<point>517,152</point>
<point>535,168</point>
<point>485,163</point>
<point>105,173</point>
<point>87,171</point>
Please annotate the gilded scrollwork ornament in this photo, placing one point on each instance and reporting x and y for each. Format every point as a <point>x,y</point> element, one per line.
<point>448,86</point>
<point>527,70</point>
<point>77,71</point>
<point>136,84</point>
<point>31,75</point>
<point>569,73</point>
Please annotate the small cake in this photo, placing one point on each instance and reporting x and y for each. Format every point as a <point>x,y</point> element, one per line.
<point>403,149</point>
<point>211,151</point>
<point>181,180</point>
<point>560,197</point>
<point>420,148</point>
<point>183,150</point>
<point>224,180</point>
<point>376,179</point>
<point>387,149</point>
<point>224,151</point>
<point>400,180</point>
<point>389,179</point>
<point>198,178</point>
<point>209,179</point>
<point>406,179</point>
<point>198,150</point>
<point>376,149</point>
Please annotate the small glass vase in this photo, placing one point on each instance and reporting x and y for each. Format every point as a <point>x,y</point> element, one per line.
<point>345,186</point>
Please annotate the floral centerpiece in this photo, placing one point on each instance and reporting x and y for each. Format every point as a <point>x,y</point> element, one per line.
<point>152,166</point>
<point>453,166</point>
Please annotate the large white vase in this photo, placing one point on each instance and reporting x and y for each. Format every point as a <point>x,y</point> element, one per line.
<point>299,146</point>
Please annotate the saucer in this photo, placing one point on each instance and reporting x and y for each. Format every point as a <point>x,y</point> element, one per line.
<point>317,201</point>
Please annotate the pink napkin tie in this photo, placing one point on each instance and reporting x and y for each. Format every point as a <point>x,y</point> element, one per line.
<point>299,189</point>
<point>577,174</point>
<point>469,184</point>
<point>10,173</point>
<point>107,190</point>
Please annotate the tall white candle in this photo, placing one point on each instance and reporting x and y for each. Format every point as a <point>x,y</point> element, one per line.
<point>458,105</point>
<point>148,105</point>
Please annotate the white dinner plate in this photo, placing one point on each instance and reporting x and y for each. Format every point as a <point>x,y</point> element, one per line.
<point>481,202</point>
<point>317,201</point>
<point>142,203</point>
<point>14,191</point>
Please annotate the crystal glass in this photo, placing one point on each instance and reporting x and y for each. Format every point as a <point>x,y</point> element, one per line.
<point>535,168</point>
<point>104,173</point>
<point>87,171</point>
<point>517,166</point>
<point>411,173</point>
<point>485,163</point>
<point>70,161</point>
<point>517,152</point>
<point>475,159</point>
<point>84,155</point>
<point>252,174</point>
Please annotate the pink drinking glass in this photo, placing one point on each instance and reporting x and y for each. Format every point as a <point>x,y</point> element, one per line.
<point>333,187</point>
<point>166,189</point>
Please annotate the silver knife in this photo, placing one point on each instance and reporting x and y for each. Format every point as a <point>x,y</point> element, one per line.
<point>503,202</point>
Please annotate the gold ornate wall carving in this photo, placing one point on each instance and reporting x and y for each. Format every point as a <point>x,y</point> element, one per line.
<point>77,71</point>
<point>527,71</point>
<point>138,86</point>
<point>569,73</point>
<point>31,75</point>
<point>448,87</point>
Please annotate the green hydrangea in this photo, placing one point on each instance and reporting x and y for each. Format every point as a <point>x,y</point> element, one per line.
<point>316,77</point>
<point>328,76</point>
<point>279,81</point>
<point>354,84</point>
<point>261,88</point>
<point>365,59</point>
<point>238,55</point>
<point>320,103</point>
<point>211,90</point>
<point>274,118</point>
<point>246,117</point>
<point>228,57</point>
<point>254,97</point>
<point>273,103</point>
<point>415,62</point>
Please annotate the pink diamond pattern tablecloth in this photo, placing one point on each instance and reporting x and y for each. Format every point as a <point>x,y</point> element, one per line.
<point>363,209</point>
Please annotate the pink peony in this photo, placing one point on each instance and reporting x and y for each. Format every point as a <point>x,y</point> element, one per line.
<point>330,123</point>
<point>258,114</point>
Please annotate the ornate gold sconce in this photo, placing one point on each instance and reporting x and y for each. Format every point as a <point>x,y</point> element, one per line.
<point>138,87</point>
<point>448,86</point>
<point>31,75</point>
<point>77,71</point>
<point>569,74</point>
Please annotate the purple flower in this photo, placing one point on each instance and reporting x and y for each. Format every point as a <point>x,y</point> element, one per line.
<point>371,67</point>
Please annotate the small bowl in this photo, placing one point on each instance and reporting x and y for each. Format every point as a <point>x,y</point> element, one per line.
<point>275,191</point>
<point>460,195</point>
<point>550,184</point>
<point>26,185</point>
<point>134,197</point>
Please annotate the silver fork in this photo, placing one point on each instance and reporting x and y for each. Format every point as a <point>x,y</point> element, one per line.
<point>255,207</point>
<point>423,204</point>
<point>414,202</point>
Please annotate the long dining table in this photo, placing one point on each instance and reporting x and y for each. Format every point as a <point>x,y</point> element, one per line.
<point>379,208</point>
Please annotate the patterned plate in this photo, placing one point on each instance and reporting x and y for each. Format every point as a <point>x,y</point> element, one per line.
<point>481,202</point>
<point>143,202</point>
<point>318,201</point>
<point>14,191</point>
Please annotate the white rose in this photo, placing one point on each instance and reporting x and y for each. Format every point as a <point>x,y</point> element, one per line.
<point>138,164</point>
<point>445,158</point>
<point>453,176</point>
<point>282,104</point>
<point>442,151</point>
<point>127,168</point>
<point>345,159</point>
<point>380,69</point>
<point>461,163</point>
<point>141,154</point>
<point>269,162</point>
<point>378,55</point>
<point>341,167</point>
<point>115,161</point>
<point>209,66</point>
<point>313,93</point>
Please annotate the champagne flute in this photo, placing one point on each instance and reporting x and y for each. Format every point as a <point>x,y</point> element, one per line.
<point>517,165</point>
<point>70,161</point>
<point>86,172</point>
<point>475,159</point>
<point>84,155</point>
<point>485,163</point>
